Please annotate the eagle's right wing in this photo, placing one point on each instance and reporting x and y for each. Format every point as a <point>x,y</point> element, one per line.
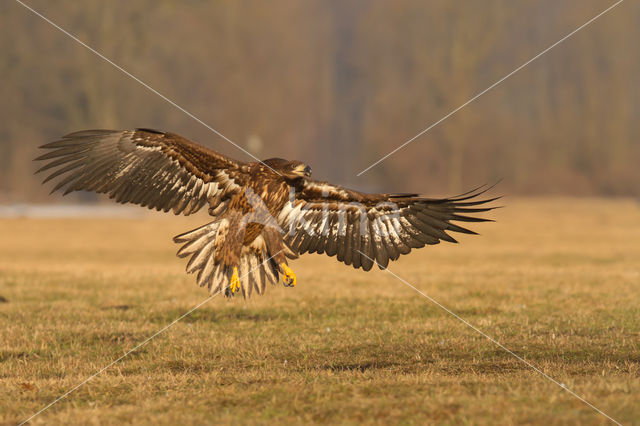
<point>158,170</point>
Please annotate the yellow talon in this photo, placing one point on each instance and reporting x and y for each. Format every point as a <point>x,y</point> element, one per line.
<point>289,278</point>
<point>234,285</point>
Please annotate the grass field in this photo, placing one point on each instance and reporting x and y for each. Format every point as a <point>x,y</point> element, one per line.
<point>555,280</point>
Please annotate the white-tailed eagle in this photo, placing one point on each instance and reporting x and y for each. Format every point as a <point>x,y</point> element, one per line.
<point>263,212</point>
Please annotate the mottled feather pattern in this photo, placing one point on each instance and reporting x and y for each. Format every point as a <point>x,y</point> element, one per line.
<point>153,169</point>
<point>381,226</point>
<point>256,267</point>
<point>264,212</point>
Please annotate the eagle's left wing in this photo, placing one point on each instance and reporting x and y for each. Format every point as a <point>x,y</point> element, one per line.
<point>361,229</point>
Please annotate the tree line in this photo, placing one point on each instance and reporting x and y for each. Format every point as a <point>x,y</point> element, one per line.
<point>340,84</point>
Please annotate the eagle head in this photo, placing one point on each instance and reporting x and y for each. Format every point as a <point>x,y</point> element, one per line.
<point>289,169</point>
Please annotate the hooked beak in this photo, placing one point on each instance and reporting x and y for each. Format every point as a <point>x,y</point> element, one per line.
<point>303,170</point>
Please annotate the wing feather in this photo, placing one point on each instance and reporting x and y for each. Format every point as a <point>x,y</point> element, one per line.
<point>356,241</point>
<point>367,249</point>
<point>381,255</point>
<point>348,239</point>
<point>158,170</point>
<point>332,235</point>
<point>359,228</point>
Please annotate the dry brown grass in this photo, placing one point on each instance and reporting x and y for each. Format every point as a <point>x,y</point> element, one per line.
<point>555,280</point>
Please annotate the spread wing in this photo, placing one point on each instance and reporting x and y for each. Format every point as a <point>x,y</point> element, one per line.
<point>361,229</point>
<point>161,171</point>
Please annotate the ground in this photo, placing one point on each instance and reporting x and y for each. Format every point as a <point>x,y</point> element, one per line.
<point>555,280</point>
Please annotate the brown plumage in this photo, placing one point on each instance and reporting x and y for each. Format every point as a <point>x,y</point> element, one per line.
<point>263,212</point>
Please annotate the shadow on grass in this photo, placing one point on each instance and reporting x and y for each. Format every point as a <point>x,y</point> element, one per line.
<point>337,308</point>
<point>6,355</point>
<point>223,315</point>
<point>362,367</point>
<point>116,307</point>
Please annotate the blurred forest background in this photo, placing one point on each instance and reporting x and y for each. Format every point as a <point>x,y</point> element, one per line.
<point>338,84</point>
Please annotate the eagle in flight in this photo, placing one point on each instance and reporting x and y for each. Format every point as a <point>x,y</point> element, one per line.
<point>263,212</point>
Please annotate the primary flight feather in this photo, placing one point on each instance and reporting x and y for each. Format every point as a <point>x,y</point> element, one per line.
<point>263,212</point>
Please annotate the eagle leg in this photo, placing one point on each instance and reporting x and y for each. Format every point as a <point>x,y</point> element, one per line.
<point>289,277</point>
<point>234,283</point>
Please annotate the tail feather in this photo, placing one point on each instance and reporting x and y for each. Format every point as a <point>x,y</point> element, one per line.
<point>199,258</point>
<point>206,273</point>
<point>196,238</point>
<point>256,267</point>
